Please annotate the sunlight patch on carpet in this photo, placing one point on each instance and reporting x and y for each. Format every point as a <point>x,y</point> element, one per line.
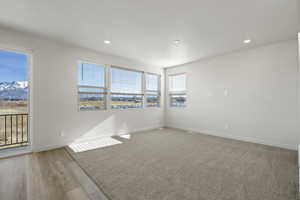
<point>93,144</point>
<point>125,136</point>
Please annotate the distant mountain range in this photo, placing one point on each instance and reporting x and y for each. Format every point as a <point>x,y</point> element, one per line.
<point>16,90</point>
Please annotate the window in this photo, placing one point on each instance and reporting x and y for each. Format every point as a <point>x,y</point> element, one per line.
<point>126,88</point>
<point>91,86</point>
<point>177,90</point>
<point>152,90</point>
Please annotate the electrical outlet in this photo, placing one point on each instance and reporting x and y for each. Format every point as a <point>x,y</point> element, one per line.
<point>226,127</point>
<point>225,92</point>
<point>61,134</point>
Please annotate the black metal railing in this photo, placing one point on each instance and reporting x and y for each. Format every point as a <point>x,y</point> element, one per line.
<point>14,130</point>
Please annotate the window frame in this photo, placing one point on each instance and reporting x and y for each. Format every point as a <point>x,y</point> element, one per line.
<point>142,94</point>
<point>151,92</point>
<point>182,92</point>
<point>105,88</point>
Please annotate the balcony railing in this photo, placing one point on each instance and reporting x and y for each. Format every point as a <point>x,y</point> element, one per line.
<point>14,130</point>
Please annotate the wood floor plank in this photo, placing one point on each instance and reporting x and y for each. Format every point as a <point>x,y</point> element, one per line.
<point>12,179</point>
<point>89,186</point>
<point>50,175</point>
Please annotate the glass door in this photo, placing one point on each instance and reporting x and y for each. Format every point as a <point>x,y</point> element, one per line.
<point>14,100</point>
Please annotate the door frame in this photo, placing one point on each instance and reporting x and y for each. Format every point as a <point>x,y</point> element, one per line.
<point>29,148</point>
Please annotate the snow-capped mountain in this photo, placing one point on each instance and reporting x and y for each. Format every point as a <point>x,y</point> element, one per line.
<point>16,90</point>
<point>13,85</point>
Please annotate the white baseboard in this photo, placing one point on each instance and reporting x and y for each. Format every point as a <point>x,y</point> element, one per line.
<point>56,146</point>
<point>241,138</point>
<point>15,152</point>
<point>207,132</point>
<point>48,147</point>
<point>124,132</point>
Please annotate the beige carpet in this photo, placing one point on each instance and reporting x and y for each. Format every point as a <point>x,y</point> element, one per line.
<point>175,165</point>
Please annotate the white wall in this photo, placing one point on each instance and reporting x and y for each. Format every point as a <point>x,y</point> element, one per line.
<point>261,105</point>
<point>299,93</point>
<point>55,94</point>
<point>299,102</point>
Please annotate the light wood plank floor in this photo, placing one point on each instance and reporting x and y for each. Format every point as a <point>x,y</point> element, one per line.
<point>50,175</point>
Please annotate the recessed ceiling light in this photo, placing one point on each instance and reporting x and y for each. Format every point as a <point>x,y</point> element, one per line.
<point>107,42</point>
<point>176,42</point>
<point>247,41</point>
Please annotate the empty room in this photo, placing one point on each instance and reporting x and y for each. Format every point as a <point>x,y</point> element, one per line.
<point>149,100</point>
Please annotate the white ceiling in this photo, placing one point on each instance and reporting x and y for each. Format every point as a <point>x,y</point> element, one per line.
<point>144,30</point>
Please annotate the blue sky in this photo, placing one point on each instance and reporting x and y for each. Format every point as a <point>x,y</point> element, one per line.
<point>13,66</point>
<point>90,75</point>
<point>151,82</point>
<point>125,81</point>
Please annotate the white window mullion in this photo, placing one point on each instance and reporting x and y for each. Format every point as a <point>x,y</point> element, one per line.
<point>159,90</point>
<point>144,89</point>
<point>108,87</point>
